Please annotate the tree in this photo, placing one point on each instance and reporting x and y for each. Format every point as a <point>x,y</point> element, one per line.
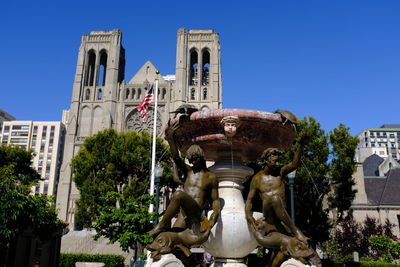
<point>118,163</point>
<point>19,210</point>
<point>352,236</point>
<point>341,171</point>
<point>327,160</point>
<point>312,183</point>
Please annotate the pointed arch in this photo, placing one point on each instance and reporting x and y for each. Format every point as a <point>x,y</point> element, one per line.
<point>85,121</point>
<point>193,94</point>
<point>194,67</point>
<point>99,94</point>
<point>102,68</point>
<point>90,68</point>
<point>87,94</point>
<point>205,94</point>
<point>205,79</point>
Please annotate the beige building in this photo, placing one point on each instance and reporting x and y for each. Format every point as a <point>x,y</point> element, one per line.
<point>103,98</point>
<point>378,186</point>
<point>46,140</point>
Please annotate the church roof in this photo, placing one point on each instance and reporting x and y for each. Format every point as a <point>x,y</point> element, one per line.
<point>147,74</point>
<point>385,190</point>
<point>371,165</point>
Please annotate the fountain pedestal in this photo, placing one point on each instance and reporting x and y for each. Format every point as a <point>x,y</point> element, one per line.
<point>231,239</point>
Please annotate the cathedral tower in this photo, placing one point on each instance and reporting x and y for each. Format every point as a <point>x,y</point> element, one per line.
<point>100,68</point>
<point>198,69</point>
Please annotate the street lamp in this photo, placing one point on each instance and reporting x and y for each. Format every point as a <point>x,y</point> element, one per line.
<point>291,177</point>
<point>158,172</point>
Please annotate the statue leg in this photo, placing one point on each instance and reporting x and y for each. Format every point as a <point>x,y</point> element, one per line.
<point>282,215</point>
<point>179,200</point>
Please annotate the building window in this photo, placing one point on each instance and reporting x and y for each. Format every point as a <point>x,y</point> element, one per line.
<point>193,94</point>
<point>204,93</point>
<point>99,94</point>
<point>127,93</point>
<point>87,94</point>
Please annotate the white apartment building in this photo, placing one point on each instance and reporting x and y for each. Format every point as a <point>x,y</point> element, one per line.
<point>384,141</point>
<point>46,139</point>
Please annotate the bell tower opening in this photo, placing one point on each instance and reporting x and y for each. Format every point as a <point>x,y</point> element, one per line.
<point>194,67</point>
<point>102,68</point>
<point>205,68</point>
<point>89,79</point>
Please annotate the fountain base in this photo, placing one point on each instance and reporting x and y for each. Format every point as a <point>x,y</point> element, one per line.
<point>220,262</point>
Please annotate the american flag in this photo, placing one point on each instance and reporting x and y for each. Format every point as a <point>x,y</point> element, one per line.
<point>144,105</point>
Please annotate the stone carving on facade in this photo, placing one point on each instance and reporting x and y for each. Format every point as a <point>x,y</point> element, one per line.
<point>135,123</point>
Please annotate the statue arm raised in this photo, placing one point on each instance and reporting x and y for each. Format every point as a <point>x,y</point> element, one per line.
<point>169,136</point>
<point>288,168</point>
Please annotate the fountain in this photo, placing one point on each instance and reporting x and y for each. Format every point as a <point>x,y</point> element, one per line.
<point>230,239</point>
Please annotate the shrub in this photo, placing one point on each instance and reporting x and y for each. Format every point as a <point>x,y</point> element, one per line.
<point>377,264</point>
<point>69,259</point>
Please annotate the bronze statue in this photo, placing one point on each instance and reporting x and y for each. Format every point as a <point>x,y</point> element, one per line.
<point>200,186</point>
<point>170,242</point>
<point>269,183</point>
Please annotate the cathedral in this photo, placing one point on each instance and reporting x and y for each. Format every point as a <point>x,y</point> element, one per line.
<point>102,98</point>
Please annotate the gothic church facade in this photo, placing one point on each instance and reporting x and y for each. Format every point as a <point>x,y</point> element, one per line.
<point>102,98</point>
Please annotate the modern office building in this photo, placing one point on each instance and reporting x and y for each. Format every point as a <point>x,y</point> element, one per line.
<point>45,138</point>
<point>103,98</point>
<point>384,142</point>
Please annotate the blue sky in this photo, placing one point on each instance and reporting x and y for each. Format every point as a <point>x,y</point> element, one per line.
<point>336,60</point>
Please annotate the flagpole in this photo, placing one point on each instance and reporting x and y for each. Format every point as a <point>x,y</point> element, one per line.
<point>153,152</point>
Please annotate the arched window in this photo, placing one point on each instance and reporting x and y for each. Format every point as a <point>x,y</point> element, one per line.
<point>87,94</point>
<point>99,94</point>
<point>193,94</point>
<point>127,93</point>
<point>205,79</point>
<point>194,68</point>
<point>89,77</point>
<point>164,93</point>
<point>205,94</point>
<point>102,68</point>
<point>139,93</point>
<point>133,93</point>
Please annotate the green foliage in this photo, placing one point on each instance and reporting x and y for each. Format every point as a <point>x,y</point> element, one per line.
<point>369,239</point>
<point>377,264</point>
<point>341,170</point>
<point>112,171</point>
<point>114,162</point>
<point>69,259</point>
<point>127,224</point>
<point>311,183</point>
<point>384,248</point>
<point>19,210</point>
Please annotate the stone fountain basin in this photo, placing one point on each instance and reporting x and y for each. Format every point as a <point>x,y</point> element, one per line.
<point>258,130</point>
